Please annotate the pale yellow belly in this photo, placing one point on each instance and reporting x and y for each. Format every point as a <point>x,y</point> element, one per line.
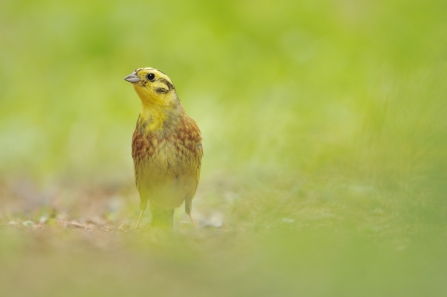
<point>167,178</point>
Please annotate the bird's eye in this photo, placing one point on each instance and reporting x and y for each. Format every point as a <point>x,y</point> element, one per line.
<point>150,76</point>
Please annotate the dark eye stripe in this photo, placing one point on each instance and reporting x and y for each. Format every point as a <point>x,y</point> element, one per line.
<point>167,83</point>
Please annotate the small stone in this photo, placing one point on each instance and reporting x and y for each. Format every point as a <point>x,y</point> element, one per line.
<point>288,221</point>
<point>43,219</point>
<point>29,224</point>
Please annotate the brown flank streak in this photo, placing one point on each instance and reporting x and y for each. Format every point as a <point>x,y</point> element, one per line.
<point>186,140</point>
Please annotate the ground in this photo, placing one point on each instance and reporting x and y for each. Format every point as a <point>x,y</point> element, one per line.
<point>83,242</point>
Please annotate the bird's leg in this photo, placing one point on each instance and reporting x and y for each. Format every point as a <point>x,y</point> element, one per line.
<point>139,219</point>
<point>192,221</point>
<point>188,208</point>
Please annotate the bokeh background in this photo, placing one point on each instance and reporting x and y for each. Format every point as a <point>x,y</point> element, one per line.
<point>325,136</point>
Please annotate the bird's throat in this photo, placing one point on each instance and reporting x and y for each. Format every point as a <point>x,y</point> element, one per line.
<point>151,117</point>
<point>155,108</point>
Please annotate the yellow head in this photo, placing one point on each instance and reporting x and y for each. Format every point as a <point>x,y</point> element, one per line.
<point>157,94</point>
<point>154,88</point>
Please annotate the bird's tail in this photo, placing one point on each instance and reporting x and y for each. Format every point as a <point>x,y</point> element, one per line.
<point>162,218</point>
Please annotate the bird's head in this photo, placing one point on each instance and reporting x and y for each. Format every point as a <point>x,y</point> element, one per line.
<point>154,88</point>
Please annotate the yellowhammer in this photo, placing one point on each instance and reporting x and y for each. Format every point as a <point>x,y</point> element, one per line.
<point>166,148</point>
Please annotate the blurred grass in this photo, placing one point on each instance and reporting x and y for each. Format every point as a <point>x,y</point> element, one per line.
<point>324,134</point>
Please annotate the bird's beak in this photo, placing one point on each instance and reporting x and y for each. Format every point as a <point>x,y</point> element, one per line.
<point>132,78</point>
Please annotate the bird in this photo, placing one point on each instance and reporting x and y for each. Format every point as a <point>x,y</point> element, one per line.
<point>166,149</point>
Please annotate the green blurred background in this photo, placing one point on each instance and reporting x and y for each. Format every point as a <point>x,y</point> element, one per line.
<point>325,135</point>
